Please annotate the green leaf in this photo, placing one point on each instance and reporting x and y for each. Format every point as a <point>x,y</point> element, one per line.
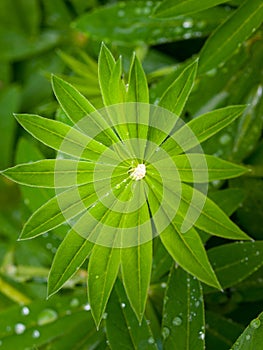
<point>58,173</point>
<point>75,105</point>
<point>106,67</point>
<point>138,86</point>
<point>236,261</point>
<point>43,324</point>
<point>62,137</point>
<point>169,8</point>
<point>33,197</point>
<point>122,327</point>
<point>103,269</point>
<point>252,337</point>
<point>71,254</point>
<point>133,20</point>
<point>183,325</point>
<point>176,95</point>
<point>231,34</point>
<point>202,128</point>
<point>138,93</point>
<point>211,219</point>
<point>186,249</point>
<point>116,86</point>
<point>191,168</point>
<point>57,210</point>
<point>136,266</point>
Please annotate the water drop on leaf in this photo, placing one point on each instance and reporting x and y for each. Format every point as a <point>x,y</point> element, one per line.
<point>46,316</point>
<point>20,328</point>
<point>177,321</point>
<point>255,323</point>
<point>165,332</point>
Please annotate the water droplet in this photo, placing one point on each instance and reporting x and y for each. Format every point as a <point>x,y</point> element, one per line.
<point>211,72</point>
<point>74,302</point>
<point>163,285</point>
<point>151,340</point>
<point>25,311</point>
<point>165,332</point>
<point>20,328</point>
<point>197,303</point>
<point>255,323</point>
<point>105,315</point>
<point>157,149</point>
<point>123,305</point>
<point>46,316</point>
<point>188,23</point>
<point>177,321</point>
<point>225,139</point>
<point>86,307</point>
<point>248,336</point>
<point>97,276</point>
<point>36,334</point>
<point>26,201</point>
<point>257,252</point>
<point>201,335</point>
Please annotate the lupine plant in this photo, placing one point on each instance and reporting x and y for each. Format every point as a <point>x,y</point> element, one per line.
<point>135,195</point>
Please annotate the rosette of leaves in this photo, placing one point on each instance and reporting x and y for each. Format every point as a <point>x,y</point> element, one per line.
<point>133,263</point>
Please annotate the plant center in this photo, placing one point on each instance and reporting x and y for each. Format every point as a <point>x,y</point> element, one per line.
<point>138,172</point>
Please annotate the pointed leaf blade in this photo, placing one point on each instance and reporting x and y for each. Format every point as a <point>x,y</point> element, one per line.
<point>136,264</point>
<point>211,218</point>
<point>202,128</point>
<point>71,254</point>
<point>192,169</point>
<point>252,337</point>
<point>102,272</point>
<point>183,312</point>
<point>122,327</point>
<point>175,97</point>
<point>60,136</point>
<point>225,40</point>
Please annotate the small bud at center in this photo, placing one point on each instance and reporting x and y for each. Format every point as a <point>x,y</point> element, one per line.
<point>139,172</point>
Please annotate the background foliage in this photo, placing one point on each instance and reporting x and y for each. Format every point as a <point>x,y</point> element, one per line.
<point>64,37</point>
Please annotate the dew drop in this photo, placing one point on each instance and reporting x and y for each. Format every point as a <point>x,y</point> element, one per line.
<point>188,23</point>
<point>36,334</point>
<point>201,335</point>
<point>118,186</point>
<point>123,305</point>
<point>177,321</point>
<point>151,340</point>
<point>225,139</point>
<point>105,315</point>
<point>97,276</point>
<point>86,307</point>
<point>20,328</point>
<point>74,302</point>
<point>255,323</point>
<point>25,311</point>
<point>165,332</point>
<point>163,285</point>
<point>248,336</point>
<point>46,316</point>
